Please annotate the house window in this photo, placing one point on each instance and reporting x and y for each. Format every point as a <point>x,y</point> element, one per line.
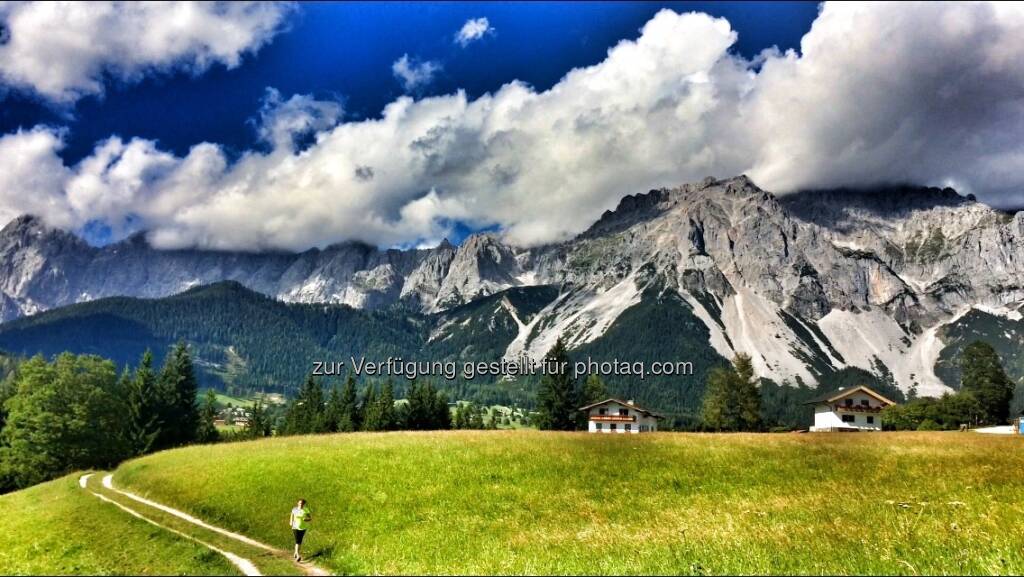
<point>597,426</point>
<point>849,419</point>
<point>629,427</point>
<point>613,426</point>
<point>864,402</point>
<point>623,412</point>
<point>871,420</point>
<point>849,402</point>
<point>602,411</point>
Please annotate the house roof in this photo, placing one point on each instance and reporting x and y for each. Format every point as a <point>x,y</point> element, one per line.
<point>623,403</point>
<point>842,393</point>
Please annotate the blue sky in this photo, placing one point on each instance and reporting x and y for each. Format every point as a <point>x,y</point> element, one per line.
<point>345,52</point>
<point>257,126</point>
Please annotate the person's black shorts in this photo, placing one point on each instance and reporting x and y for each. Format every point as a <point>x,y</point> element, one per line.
<point>299,534</point>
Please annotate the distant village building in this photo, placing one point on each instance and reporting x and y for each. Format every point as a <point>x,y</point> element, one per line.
<point>237,416</point>
<point>849,409</point>
<point>615,416</point>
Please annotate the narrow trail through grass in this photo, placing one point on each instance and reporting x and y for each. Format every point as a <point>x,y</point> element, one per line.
<point>247,555</point>
<point>57,528</point>
<point>244,565</point>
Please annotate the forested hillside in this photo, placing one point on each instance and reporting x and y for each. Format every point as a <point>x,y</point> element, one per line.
<point>243,341</point>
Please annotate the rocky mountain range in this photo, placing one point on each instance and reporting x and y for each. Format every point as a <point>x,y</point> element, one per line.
<point>808,284</point>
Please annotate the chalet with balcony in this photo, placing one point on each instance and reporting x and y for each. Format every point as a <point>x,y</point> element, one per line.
<point>849,409</point>
<point>615,416</point>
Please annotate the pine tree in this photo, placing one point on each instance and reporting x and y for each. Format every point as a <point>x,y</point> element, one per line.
<point>306,414</point>
<point>144,408</point>
<point>259,421</point>
<point>460,421</point>
<point>716,411</point>
<point>476,416</point>
<point>207,431</point>
<point>983,376</point>
<point>348,419</point>
<point>371,410</point>
<point>333,410</point>
<point>732,401</point>
<point>748,396</point>
<point>177,390</point>
<point>557,399</point>
<point>441,416</point>
<point>594,391</point>
<point>387,407</point>
<point>427,408</point>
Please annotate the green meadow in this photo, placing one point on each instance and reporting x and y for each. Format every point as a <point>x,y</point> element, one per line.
<point>513,502</point>
<point>533,502</point>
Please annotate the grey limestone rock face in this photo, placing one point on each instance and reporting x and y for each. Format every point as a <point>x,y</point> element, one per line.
<point>847,266</point>
<point>917,253</point>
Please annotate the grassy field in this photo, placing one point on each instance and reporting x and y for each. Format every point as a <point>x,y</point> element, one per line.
<point>531,502</point>
<point>57,528</point>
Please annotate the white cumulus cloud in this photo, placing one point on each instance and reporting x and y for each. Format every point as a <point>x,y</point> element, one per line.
<point>413,73</point>
<point>474,29</point>
<point>66,50</point>
<point>878,93</point>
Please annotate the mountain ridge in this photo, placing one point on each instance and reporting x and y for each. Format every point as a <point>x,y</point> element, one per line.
<point>808,284</point>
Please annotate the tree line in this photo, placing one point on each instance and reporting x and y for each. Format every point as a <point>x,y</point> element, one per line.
<point>345,410</point>
<point>984,397</point>
<point>76,412</point>
<point>732,399</point>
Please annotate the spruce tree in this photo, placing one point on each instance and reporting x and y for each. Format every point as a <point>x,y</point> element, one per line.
<point>594,391</point>
<point>259,421</point>
<point>716,412</point>
<point>371,410</point>
<point>748,396</point>
<point>417,407</point>
<point>982,376</point>
<point>732,400</point>
<point>333,410</point>
<point>387,407</point>
<point>557,399</point>
<point>177,388</point>
<point>306,414</point>
<point>461,421</point>
<point>348,420</point>
<point>143,402</point>
<point>441,416</point>
<point>207,431</point>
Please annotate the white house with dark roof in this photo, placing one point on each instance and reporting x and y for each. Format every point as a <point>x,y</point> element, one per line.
<point>849,409</point>
<point>615,416</point>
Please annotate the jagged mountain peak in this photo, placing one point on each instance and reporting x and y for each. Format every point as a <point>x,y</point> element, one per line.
<point>795,280</point>
<point>28,225</point>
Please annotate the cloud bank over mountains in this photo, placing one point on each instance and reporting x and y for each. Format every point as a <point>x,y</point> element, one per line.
<point>878,93</point>
<point>64,51</point>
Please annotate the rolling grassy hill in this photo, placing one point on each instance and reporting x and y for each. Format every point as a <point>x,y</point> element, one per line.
<point>532,502</point>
